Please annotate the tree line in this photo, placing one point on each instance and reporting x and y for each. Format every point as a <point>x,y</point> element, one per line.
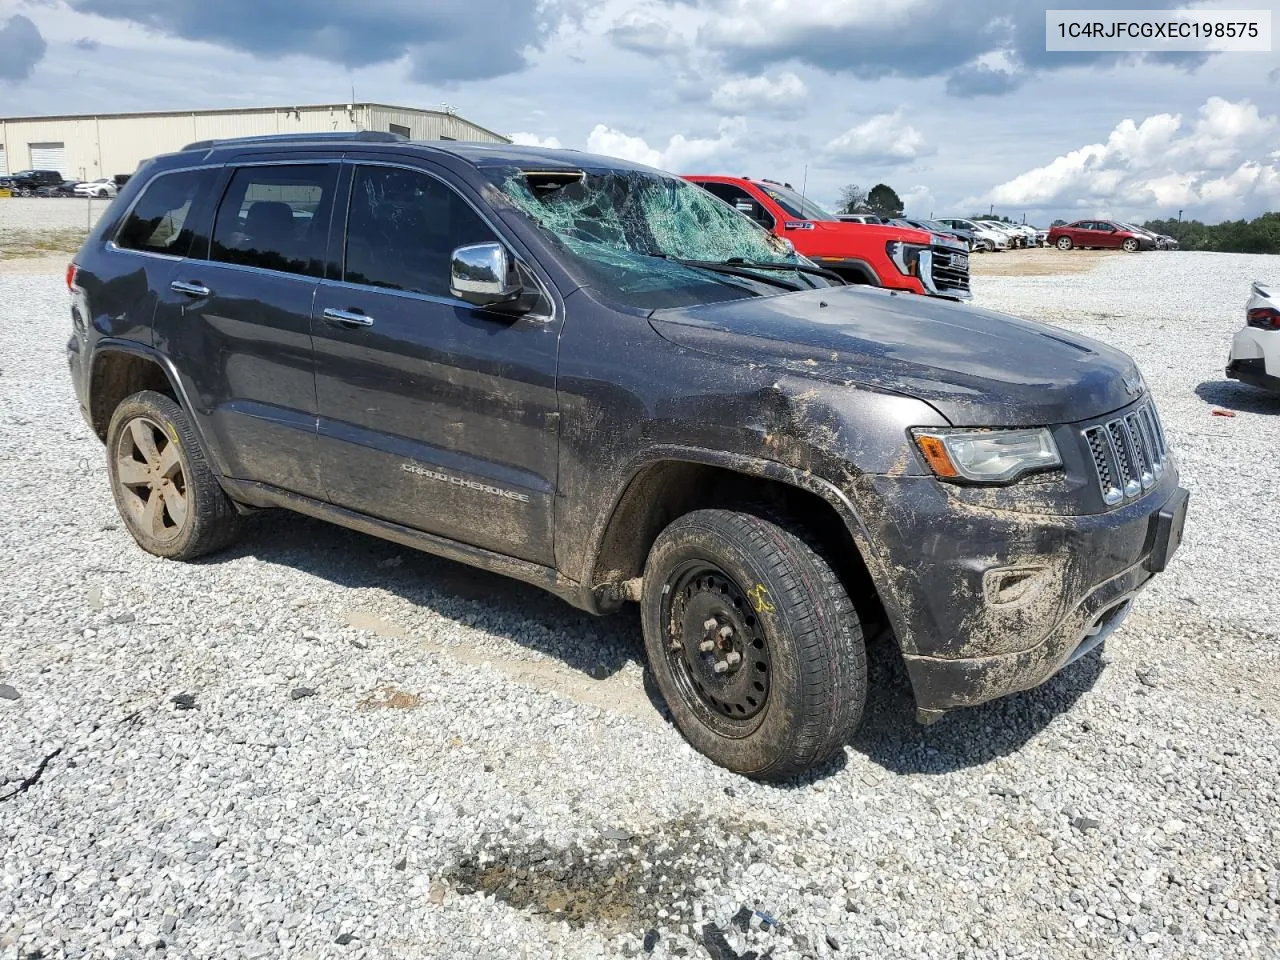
<point>1260,235</point>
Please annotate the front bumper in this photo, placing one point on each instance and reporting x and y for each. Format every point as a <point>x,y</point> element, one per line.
<point>987,602</point>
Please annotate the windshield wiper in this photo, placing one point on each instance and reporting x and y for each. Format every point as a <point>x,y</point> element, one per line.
<point>798,267</point>
<point>733,269</point>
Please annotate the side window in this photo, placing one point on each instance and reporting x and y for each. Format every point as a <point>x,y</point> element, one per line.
<point>276,218</point>
<point>402,229</point>
<point>162,220</point>
<point>741,201</point>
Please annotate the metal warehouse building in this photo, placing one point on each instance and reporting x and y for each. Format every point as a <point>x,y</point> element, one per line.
<point>103,145</point>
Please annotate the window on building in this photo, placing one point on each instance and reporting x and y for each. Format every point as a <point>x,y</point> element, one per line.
<point>398,128</point>
<point>163,219</point>
<point>276,218</point>
<point>402,229</point>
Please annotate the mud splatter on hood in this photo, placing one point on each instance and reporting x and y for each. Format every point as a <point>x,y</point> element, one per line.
<point>977,367</point>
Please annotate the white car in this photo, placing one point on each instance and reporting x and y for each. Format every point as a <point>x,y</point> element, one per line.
<point>984,238</point>
<point>104,187</point>
<point>1255,351</point>
<point>1011,231</point>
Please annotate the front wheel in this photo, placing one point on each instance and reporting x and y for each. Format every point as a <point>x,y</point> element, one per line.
<point>1130,245</point>
<point>753,643</point>
<point>1064,243</point>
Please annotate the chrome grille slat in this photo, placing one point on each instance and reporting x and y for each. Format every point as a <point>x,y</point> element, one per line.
<point>1129,453</point>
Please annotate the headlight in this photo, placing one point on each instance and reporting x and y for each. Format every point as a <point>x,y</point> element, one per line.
<point>987,456</point>
<point>905,256</point>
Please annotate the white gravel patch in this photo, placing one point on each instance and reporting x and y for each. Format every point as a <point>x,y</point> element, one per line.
<point>374,734</point>
<point>49,213</point>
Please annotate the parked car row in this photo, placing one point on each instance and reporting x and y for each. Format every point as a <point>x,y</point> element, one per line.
<point>49,183</point>
<point>1108,235</point>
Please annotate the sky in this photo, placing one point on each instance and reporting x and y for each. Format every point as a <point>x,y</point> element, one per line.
<point>957,105</point>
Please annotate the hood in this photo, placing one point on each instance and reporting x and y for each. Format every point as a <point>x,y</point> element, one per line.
<point>976,367</point>
<point>864,231</point>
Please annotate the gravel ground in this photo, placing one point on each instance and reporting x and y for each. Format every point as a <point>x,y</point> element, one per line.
<point>322,745</point>
<point>49,213</point>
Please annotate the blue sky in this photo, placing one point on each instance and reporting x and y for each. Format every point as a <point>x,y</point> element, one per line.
<point>956,105</point>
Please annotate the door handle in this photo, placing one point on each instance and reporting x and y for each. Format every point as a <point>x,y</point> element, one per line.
<point>192,289</point>
<point>347,318</point>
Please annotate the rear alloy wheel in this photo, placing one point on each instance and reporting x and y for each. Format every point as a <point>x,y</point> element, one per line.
<point>167,496</point>
<point>1064,243</point>
<point>1130,245</point>
<point>753,642</point>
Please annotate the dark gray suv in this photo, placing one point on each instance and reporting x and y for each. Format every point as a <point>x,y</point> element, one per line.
<point>600,379</point>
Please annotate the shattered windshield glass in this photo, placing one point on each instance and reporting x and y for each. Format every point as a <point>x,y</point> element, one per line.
<point>629,229</point>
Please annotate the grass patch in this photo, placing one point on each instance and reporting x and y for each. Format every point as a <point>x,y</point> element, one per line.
<point>19,244</point>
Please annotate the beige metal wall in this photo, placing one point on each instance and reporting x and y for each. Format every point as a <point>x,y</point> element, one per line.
<point>107,145</point>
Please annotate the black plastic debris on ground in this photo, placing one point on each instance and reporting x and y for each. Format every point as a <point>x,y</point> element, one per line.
<point>185,701</point>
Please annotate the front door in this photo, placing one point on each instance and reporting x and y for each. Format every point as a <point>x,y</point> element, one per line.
<point>245,316</point>
<point>433,414</point>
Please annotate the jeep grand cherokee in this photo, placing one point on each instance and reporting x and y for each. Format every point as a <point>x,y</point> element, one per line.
<point>598,378</point>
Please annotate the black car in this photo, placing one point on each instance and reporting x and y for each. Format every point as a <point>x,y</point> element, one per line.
<point>67,188</point>
<point>27,182</point>
<point>598,378</point>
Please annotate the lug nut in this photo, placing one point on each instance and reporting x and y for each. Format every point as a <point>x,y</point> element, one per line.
<point>706,646</point>
<point>720,666</point>
<point>726,632</point>
<point>733,658</point>
<point>710,624</point>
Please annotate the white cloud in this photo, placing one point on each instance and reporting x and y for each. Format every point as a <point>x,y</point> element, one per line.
<point>681,153</point>
<point>748,94</point>
<point>885,138</point>
<point>533,140</point>
<point>1221,165</point>
<point>918,201</point>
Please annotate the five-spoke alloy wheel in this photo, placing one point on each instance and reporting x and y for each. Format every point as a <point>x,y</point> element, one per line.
<point>165,491</point>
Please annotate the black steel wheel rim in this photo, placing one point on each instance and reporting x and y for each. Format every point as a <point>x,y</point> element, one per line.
<point>716,648</point>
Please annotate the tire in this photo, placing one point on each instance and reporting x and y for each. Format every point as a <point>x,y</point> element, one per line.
<point>795,695</point>
<point>1064,243</point>
<point>166,493</point>
<point>1130,245</point>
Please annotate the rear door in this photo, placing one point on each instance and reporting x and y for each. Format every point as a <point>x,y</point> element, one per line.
<point>433,414</point>
<point>240,322</point>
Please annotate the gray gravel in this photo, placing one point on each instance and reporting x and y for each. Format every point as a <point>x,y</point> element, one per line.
<point>478,771</point>
<point>49,213</point>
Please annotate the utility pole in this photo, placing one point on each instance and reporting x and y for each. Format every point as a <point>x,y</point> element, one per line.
<point>1179,216</point>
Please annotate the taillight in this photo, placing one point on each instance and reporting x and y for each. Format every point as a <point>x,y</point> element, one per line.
<point>1264,318</point>
<point>71,275</point>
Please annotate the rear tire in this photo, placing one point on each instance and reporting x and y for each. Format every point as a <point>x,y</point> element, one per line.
<point>1064,243</point>
<point>719,583</point>
<point>167,495</point>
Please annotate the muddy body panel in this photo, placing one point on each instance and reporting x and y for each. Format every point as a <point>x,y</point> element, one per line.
<point>556,444</point>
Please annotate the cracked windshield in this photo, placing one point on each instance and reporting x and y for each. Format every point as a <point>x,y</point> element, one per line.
<point>651,241</point>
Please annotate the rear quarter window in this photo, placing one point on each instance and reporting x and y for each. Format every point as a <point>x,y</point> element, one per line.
<point>164,218</point>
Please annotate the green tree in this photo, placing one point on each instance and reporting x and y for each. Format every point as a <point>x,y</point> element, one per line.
<point>883,200</point>
<point>1059,223</point>
<point>853,199</point>
<point>1260,235</point>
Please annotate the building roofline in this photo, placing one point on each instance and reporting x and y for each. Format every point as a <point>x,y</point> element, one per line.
<point>232,110</point>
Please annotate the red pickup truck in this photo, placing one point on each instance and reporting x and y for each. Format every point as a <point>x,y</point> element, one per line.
<point>898,258</point>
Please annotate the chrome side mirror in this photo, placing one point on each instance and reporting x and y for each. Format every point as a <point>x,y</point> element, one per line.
<point>483,274</point>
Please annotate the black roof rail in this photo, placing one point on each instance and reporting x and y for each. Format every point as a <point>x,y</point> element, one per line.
<point>366,136</point>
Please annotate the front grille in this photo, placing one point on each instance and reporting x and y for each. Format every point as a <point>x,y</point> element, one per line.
<point>950,269</point>
<point>1129,453</point>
